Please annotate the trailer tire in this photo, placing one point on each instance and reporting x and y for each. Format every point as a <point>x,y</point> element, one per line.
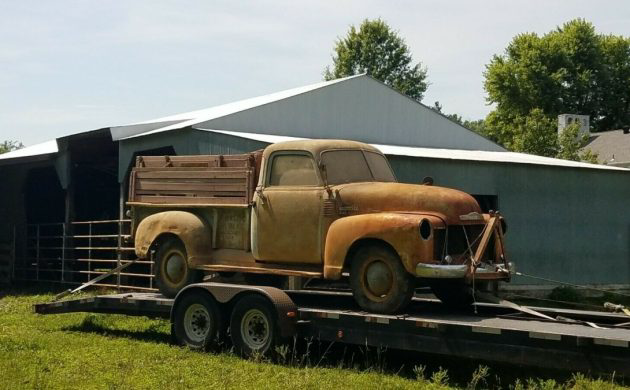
<point>379,282</point>
<point>254,326</point>
<point>171,268</point>
<point>197,321</point>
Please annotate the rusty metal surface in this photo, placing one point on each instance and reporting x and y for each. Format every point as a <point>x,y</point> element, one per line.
<point>194,232</point>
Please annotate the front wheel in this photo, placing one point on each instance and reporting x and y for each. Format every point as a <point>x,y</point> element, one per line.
<point>171,268</point>
<point>379,281</point>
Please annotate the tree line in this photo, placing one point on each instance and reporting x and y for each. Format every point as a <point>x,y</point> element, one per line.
<point>572,69</point>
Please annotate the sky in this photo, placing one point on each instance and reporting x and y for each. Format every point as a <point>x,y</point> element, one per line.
<point>72,66</point>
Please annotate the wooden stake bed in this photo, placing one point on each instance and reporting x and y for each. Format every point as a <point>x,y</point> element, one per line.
<point>195,179</point>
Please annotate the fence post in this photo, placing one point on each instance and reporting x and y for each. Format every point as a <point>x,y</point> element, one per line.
<point>37,254</point>
<point>63,251</point>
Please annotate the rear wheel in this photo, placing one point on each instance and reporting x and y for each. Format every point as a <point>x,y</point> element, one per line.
<point>379,281</point>
<point>254,326</point>
<point>197,321</point>
<point>171,268</point>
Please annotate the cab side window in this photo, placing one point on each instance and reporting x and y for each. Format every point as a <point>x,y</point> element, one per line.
<point>293,170</point>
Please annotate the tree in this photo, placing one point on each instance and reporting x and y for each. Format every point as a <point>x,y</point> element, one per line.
<point>569,70</point>
<point>535,134</point>
<point>570,145</point>
<point>381,53</point>
<point>478,126</point>
<point>8,146</point>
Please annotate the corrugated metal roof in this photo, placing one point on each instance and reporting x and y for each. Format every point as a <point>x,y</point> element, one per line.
<point>48,147</point>
<point>194,117</point>
<point>449,154</point>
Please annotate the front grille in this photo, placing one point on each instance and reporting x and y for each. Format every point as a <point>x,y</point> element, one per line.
<point>456,243</point>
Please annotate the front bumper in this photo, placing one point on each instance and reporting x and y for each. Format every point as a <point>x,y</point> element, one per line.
<point>460,271</point>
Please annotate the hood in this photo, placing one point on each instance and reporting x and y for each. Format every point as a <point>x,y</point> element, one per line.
<point>372,197</point>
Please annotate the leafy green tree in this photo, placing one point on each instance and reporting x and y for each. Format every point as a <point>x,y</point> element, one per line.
<point>571,69</point>
<point>375,49</point>
<point>477,126</point>
<point>8,146</point>
<point>535,134</point>
<point>570,144</point>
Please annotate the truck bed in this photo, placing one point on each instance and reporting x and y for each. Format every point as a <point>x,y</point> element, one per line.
<point>195,180</point>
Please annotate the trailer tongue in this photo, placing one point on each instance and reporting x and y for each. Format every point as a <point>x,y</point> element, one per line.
<point>259,317</point>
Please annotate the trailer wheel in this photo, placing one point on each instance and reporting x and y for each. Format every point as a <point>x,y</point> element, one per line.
<point>171,268</point>
<point>254,326</point>
<point>196,321</point>
<point>379,281</point>
<point>454,293</point>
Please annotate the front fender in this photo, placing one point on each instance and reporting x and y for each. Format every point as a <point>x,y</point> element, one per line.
<point>192,230</point>
<point>400,230</point>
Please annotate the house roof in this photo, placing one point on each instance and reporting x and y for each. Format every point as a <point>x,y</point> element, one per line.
<point>612,147</point>
<point>449,154</point>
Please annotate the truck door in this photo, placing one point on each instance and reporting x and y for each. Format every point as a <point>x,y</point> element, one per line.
<point>286,219</point>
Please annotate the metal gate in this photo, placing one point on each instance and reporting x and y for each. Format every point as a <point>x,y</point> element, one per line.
<point>76,252</point>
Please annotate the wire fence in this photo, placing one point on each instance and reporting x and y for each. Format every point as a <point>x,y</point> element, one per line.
<point>77,252</point>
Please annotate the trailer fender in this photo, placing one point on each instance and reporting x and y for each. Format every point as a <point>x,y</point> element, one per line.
<point>227,294</point>
<point>192,230</point>
<point>401,231</point>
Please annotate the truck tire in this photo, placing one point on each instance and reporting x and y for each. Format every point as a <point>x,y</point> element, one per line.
<point>197,321</point>
<point>171,268</point>
<point>453,293</point>
<point>379,282</point>
<point>254,326</point>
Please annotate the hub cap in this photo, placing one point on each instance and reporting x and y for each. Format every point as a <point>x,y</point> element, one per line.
<point>378,278</point>
<point>197,322</point>
<point>255,329</point>
<point>175,267</point>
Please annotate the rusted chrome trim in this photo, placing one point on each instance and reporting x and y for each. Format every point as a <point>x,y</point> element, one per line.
<point>437,271</point>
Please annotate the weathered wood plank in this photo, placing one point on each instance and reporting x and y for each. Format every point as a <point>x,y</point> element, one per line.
<point>168,174</point>
<point>144,185</point>
<point>190,200</point>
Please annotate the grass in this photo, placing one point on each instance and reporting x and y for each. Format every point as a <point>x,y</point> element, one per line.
<point>81,350</point>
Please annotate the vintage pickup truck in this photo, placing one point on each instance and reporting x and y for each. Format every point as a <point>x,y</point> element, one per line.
<point>326,209</point>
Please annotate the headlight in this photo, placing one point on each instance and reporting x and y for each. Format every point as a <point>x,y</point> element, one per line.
<point>425,229</point>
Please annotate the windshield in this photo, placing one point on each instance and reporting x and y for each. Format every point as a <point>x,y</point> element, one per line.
<point>350,166</point>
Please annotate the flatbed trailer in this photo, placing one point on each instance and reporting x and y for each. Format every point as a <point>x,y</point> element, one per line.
<point>570,340</point>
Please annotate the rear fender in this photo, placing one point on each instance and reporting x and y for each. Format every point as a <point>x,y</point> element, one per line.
<point>192,230</point>
<point>400,231</point>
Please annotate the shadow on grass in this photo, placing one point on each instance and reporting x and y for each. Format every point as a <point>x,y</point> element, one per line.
<point>90,324</point>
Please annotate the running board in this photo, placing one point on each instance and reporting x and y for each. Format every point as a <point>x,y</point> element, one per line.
<point>270,270</point>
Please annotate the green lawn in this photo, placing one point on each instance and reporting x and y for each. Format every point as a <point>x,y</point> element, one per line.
<point>110,351</point>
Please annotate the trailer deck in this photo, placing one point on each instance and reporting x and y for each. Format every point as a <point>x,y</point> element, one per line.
<point>586,341</point>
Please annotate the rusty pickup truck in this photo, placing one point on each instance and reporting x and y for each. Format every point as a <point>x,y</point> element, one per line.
<point>327,209</point>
